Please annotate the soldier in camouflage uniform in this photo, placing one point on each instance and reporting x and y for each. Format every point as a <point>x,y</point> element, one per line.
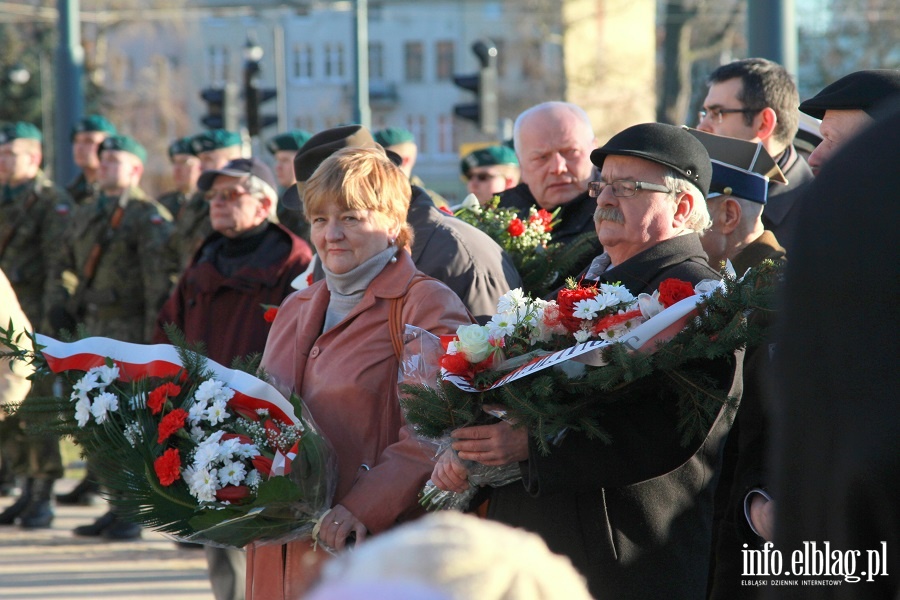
<point>116,249</point>
<point>185,171</point>
<point>34,215</point>
<point>283,147</point>
<point>87,135</point>
<point>214,148</point>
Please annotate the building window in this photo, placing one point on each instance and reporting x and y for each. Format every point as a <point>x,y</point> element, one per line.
<point>444,66</point>
<point>302,62</point>
<point>376,61</point>
<point>334,61</point>
<point>446,143</point>
<point>415,61</point>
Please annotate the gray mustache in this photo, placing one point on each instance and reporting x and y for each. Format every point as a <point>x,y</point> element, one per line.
<point>608,213</point>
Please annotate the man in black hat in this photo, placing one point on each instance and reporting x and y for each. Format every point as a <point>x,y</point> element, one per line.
<point>848,106</point>
<point>755,99</point>
<point>633,515</point>
<point>460,255</point>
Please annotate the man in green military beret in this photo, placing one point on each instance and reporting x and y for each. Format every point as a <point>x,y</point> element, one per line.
<point>489,171</point>
<point>34,215</point>
<point>116,252</point>
<point>402,142</point>
<point>215,148</point>
<point>185,171</point>
<point>87,135</point>
<point>283,147</point>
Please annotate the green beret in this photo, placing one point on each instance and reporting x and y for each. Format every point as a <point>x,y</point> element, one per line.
<point>215,139</point>
<point>93,123</point>
<point>123,143</point>
<point>393,136</point>
<point>291,140</point>
<point>485,157</point>
<point>20,130</point>
<point>181,146</point>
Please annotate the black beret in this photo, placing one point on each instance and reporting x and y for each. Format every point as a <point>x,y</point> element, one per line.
<point>862,90</point>
<point>667,145</point>
<point>325,143</point>
<point>238,167</point>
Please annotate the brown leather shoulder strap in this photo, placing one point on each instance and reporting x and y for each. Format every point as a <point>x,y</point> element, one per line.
<point>395,318</point>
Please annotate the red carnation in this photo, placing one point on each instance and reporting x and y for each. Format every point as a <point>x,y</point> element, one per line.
<point>672,290</point>
<point>270,313</point>
<point>168,467</point>
<point>171,423</point>
<point>233,493</point>
<point>457,364</point>
<point>157,398</point>
<point>516,227</point>
<point>566,299</point>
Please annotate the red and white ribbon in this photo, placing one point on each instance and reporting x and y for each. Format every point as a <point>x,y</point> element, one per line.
<point>137,361</point>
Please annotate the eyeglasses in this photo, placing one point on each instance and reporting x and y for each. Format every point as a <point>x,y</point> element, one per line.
<point>226,194</point>
<point>717,112</point>
<point>483,176</point>
<point>624,188</point>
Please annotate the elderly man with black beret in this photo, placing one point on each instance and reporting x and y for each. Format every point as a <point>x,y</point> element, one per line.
<point>633,515</point>
<point>848,106</point>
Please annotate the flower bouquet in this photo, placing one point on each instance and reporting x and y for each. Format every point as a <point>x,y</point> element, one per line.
<point>188,447</point>
<point>528,242</point>
<point>555,366</point>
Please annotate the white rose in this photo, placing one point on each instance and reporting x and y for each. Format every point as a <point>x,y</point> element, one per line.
<point>474,342</point>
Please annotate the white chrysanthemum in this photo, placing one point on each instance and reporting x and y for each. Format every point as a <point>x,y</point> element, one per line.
<point>511,300</point>
<point>582,336</point>
<point>202,483</point>
<point>246,451</point>
<point>586,309</point>
<point>197,412</point>
<point>197,434</point>
<point>216,412</point>
<point>212,389</point>
<point>229,448</point>
<point>79,395</point>
<point>83,411</point>
<point>88,383</point>
<point>207,452</point>
<point>103,404</point>
<point>232,473</point>
<point>502,324</point>
<point>106,375</point>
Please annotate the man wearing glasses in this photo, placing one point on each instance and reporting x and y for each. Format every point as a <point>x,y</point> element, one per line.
<point>755,99</point>
<point>633,515</point>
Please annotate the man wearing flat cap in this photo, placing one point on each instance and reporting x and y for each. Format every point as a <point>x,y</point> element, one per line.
<point>34,215</point>
<point>115,251</point>
<point>848,106</point>
<point>185,171</point>
<point>214,148</point>
<point>283,147</point>
<point>634,515</point>
<point>87,135</point>
<point>460,255</point>
<point>490,171</point>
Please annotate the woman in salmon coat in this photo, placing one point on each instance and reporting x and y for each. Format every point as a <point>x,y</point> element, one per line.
<point>333,345</point>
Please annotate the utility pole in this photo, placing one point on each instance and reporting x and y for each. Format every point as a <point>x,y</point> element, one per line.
<point>362,113</point>
<point>69,89</point>
<point>772,32</point>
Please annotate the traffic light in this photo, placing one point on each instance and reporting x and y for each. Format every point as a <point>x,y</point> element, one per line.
<point>255,96</point>
<point>484,112</point>
<point>221,107</point>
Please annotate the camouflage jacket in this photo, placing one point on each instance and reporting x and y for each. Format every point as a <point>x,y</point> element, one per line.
<point>173,201</point>
<point>133,275</point>
<point>81,191</point>
<point>33,218</point>
<point>192,226</point>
